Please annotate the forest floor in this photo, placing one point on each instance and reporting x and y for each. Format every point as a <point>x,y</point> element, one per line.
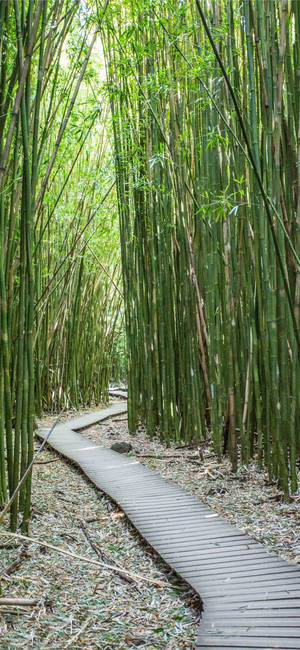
<point>82,607</point>
<point>247,499</point>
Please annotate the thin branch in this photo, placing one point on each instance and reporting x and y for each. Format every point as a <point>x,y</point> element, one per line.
<point>17,490</point>
<point>82,558</point>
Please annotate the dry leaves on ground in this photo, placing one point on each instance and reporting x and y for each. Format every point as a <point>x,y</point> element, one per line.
<point>247,499</point>
<point>79,605</point>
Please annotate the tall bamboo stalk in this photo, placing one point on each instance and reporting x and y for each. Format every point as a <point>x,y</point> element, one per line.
<point>60,316</point>
<point>205,108</point>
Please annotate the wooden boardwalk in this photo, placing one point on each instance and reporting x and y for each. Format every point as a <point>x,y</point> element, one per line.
<point>251,598</point>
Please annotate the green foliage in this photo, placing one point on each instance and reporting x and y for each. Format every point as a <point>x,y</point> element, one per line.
<point>60,297</point>
<point>207,274</point>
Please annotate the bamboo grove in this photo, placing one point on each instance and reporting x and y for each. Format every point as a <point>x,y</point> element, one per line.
<point>60,299</point>
<point>205,100</point>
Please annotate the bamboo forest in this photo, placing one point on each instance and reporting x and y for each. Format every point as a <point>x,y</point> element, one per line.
<point>150,324</point>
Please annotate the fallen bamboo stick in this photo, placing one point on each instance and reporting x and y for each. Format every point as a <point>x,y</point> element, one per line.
<point>19,602</point>
<point>101,554</point>
<point>82,558</point>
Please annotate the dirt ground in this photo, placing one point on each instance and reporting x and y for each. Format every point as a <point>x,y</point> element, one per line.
<point>80,606</point>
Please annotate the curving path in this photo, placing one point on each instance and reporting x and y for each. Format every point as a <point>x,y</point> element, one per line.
<point>251,598</point>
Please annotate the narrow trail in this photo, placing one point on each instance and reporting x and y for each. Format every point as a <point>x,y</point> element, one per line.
<point>251,598</point>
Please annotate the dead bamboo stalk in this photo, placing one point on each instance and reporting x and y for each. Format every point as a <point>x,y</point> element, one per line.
<point>82,558</point>
<point>19,602</point>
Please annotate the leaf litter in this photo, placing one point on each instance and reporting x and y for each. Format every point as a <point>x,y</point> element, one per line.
<point>81,605</point>
<point>84,607</point>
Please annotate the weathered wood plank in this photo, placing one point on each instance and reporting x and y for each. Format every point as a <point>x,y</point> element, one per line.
<point>245,642</point>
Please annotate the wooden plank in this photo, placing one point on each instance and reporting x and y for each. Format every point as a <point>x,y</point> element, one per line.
<point>232,567</point>
<point>187,534</point>
<point>265,578</point>
<point>246,598</point>
<point>215,544</point>
<point>274,622</point>
<point>243,571</point>
<point>223,647</point>
<point>251,590</point>
<point>229,556</point>
<point>118,392</point>
<point>87,420</point>
<point>216,641</point>
<point>291,604</point>
<point>202,568</point>
<point>253,630</point>
<point>207,550</point>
